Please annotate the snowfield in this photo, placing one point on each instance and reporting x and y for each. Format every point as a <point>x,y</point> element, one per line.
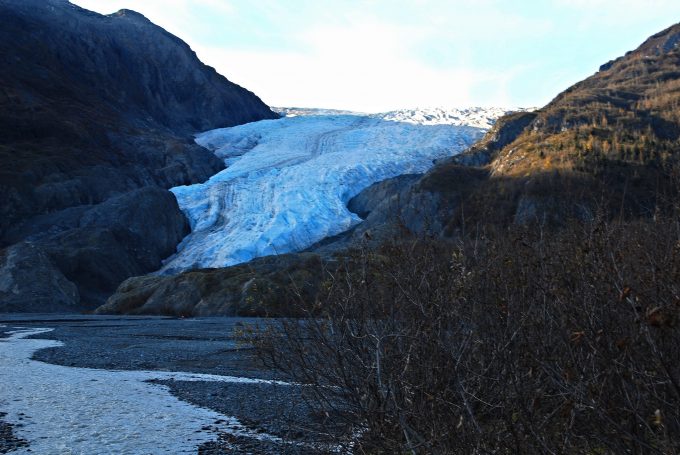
<point>65,410</point>
<point>478,117</point>
<point>288,181</point>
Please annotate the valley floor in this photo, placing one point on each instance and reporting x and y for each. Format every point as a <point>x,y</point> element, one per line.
<point>137,385</point>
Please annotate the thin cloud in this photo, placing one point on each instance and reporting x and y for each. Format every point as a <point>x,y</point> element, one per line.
<point>379,55</point>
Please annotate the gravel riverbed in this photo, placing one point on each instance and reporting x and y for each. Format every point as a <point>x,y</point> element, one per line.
<point>270,417</point>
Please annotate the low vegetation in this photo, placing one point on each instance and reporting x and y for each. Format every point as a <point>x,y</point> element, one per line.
<point>508,341</point>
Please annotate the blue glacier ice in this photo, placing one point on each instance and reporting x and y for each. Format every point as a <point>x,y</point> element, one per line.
<point>288,181</point>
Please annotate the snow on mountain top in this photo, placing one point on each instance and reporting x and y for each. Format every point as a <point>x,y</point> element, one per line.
<point>477,117</point>
<point>309,111</point>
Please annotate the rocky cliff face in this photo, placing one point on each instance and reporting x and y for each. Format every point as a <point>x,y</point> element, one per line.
<point>95,247</point>
<point>93,107</point>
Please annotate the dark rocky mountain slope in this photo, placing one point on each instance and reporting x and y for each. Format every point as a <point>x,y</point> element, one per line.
<point>93,107</point>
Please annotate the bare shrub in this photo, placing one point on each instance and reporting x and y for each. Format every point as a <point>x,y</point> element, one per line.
<point>516,341</point>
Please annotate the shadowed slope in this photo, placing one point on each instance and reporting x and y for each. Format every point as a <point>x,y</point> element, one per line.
<point>93,109</point>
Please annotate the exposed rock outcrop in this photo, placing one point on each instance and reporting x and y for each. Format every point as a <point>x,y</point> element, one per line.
<point>504,132</point>
<point>393,207</point>
<point>268,286</point>
<point>92,248</point>
<point>375,196</point>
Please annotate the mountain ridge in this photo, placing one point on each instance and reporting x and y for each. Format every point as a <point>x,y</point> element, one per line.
<point>93,109</point>
<point>608,143</point>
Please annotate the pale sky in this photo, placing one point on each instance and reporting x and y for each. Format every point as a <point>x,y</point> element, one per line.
<point>379,55</point>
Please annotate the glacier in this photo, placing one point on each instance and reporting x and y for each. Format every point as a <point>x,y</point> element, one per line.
<point>288,181</point>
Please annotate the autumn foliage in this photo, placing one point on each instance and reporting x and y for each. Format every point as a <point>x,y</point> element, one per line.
<point>508,341</point>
